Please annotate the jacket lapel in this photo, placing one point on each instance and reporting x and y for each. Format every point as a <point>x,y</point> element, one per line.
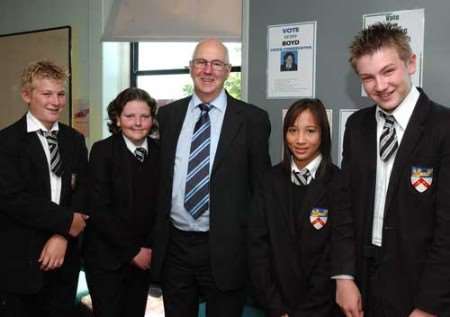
<point>314,194</point>
<point>412,135</point>
<point>36,154</point>
<point>65,150</point>
<point>123,166</point>
<point>286,205</point>
<point>232,122</point>
<point>178,113</point>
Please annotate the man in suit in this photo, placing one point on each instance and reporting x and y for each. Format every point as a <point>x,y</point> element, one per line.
<point>200,243</point>
<point>392,230</point>
<point>42,175</point>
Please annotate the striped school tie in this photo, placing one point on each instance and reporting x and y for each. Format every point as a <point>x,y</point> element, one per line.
<point>140,153</point>
<point>55,158</point>
<point>302,177</point>
<point>388,138</point>
<point>196,199</point>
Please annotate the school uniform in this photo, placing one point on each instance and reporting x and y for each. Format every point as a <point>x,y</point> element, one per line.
<point>123,193</point>
<point>34,205</point>
<point>399,257</point>
<point>289,242</point>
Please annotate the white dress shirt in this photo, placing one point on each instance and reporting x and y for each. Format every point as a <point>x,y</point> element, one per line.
<point>33,126</point>
<point>402,114</point>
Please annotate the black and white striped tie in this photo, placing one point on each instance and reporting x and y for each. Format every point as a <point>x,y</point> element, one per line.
<point>388,138</point>
<point>140,153</point>
<point>55,158</point>
<point>302,177</point>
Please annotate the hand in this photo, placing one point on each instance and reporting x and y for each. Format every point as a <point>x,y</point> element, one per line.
<point>348,298</point>
<point>52,255</point>
<point>143,258</point>
<point>420,313</point>
<point>78,224</point>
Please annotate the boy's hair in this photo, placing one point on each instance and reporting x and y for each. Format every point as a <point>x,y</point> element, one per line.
<point>379,35</point>
<point>42,70</point>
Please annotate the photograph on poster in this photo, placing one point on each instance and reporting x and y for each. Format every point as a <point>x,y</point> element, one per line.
<point>291,69</point>
<point>288,60</point>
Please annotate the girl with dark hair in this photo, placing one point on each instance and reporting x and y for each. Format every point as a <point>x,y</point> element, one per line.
<point>289,231</point>
<point>124,176</point>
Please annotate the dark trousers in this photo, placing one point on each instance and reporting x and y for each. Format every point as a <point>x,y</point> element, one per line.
<point>55,299</point>
<point>376,304</point>
<point>118,293</point>
<point>187,277</point>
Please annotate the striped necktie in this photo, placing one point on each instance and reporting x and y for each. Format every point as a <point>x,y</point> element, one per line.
<point>55,158</point>
<point>302,177</point>
<point>196,199</point>
<point>140,153</point>
<point>388,138</point>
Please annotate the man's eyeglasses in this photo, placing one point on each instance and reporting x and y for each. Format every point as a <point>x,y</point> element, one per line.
<point>202,63</point>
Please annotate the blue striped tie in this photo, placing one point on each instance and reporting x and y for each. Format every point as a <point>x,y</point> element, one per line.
<point>196,198</point>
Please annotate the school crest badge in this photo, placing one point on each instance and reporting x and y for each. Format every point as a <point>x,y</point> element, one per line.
<point>318,217</point>
<point>421,178</point>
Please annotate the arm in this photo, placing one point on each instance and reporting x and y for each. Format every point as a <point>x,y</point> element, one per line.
<point>343,256</point>
<point>434,289</point>
<point>260,258</point>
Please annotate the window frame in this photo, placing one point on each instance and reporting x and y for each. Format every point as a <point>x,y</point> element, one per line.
<point>135,72</point>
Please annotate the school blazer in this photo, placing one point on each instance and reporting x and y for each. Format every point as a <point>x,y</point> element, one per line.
<point>110,240</point>
<point>290,265</point>
<point>28,217</point>
<point>415,260</point>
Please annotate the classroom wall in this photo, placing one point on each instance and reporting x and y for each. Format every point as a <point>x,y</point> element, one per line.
<point>337,22</point>
<point>86,19</point>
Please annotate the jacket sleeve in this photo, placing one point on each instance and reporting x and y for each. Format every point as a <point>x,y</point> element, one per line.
<point>260,259</point>
<point>434,290</point>
<point>343,237</point>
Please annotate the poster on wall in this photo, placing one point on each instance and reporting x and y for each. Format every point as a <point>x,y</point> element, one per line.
<point>344,114</point>
<point>413,23</point>
<point>291,60</point>
<point>283,115</point>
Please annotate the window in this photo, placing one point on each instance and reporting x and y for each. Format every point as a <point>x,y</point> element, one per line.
<point>161,68</point>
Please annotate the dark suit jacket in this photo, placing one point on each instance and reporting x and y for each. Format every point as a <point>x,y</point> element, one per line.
<point>112,238</point>
<point>290,264</point>
<point>415,264</point>
<point>241,158</point>
<point>28,217</point>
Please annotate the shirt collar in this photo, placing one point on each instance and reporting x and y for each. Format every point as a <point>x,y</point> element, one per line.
<point>33,124</point>
<point>403,112</point>
<point>312,166</point>
<point>132,147</point>
<point>219,103</point>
